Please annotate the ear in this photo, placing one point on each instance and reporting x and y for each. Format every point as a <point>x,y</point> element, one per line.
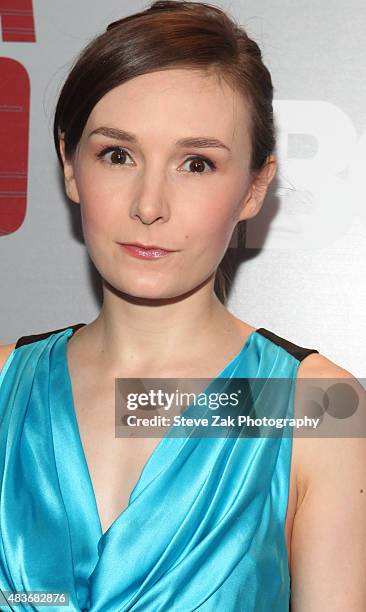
<point>256,193</point>
<point>69,178</point>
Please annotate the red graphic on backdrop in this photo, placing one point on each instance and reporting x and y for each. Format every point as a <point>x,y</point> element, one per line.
<point>17,22</point>
<point>14,130</point>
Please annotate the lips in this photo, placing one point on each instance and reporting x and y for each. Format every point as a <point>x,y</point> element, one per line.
<point>145,251</point>
<point>147,247</point>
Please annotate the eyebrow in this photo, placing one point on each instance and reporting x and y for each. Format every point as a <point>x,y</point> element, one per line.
<point>199,141</point>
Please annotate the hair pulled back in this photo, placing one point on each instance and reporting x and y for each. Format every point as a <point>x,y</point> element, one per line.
<point>171,34</point>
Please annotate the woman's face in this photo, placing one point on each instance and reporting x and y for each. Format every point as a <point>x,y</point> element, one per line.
<point>144,186</point>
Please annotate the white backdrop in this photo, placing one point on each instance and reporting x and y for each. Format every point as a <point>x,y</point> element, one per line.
<point>303,275</point>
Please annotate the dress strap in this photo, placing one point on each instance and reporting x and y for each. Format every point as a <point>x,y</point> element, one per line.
<point>299,352</point>
<point>35,337</point>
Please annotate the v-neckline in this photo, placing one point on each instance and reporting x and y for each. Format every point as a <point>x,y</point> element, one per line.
<point>70,404</point>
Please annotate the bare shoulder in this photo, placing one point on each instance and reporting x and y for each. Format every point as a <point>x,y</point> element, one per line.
<point>328,541</point>
<point>5,350</point>
<point>317,365</point>
<point>317,450</point>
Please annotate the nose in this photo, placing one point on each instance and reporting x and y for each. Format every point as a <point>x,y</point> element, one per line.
<point>151,204</point>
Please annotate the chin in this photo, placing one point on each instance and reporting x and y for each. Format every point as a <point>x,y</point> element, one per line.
<point>141,290</point>
<point>156,292</point>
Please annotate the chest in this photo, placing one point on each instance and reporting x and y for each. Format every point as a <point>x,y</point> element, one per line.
<point>115,464</point>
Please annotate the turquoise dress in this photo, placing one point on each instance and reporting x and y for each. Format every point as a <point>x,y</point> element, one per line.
<point>204,526</point>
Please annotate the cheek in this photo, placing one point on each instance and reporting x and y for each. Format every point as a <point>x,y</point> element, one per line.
<point>205,225</point>
<point>214,222</point>
<point>96,207</point>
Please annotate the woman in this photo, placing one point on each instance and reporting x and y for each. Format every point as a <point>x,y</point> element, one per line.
<point>164,131</point>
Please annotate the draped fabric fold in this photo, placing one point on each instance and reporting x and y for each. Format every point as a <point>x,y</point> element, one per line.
<point>204,526</point>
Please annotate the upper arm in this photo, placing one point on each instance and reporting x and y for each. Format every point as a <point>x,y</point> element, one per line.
<point>5,350</point>
<point>328,542</point>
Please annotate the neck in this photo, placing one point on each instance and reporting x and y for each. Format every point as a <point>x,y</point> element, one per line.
<point>138,330</point>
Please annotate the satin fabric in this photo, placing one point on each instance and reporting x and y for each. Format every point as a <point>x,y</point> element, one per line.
<point>204,526</point>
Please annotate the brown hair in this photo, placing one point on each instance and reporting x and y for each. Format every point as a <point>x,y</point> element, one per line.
<point>171,34</point>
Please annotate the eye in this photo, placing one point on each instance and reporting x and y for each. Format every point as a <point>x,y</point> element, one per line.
<point>197,164</point>
<point>116,159</point>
